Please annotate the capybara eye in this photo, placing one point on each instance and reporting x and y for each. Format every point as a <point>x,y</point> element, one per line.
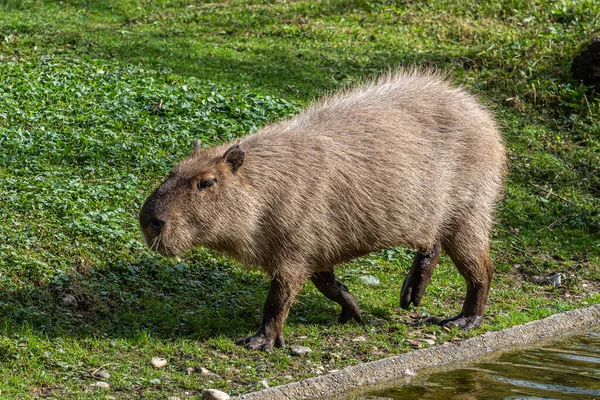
<point>206,184</point>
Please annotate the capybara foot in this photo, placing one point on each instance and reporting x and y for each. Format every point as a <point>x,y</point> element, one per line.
<point>412,291</point>
<point>348,314</point>
<point>462,322</point>
<point>260,341</point>
<point>419,276</point>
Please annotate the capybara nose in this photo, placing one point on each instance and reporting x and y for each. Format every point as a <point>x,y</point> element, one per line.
<point>156,224</point>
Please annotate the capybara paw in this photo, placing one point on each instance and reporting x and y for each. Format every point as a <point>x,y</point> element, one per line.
<point>261,341</point>
<point>409,295</point>
<point>347,315</point>
<point>462,322</point>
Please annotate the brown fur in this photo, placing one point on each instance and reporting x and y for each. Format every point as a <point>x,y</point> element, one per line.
<point>407,159</point>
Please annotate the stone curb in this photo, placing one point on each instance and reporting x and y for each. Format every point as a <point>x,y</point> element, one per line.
<point>396,367</point>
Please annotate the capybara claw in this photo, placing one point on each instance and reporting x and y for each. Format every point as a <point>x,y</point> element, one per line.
<point>346,316</point>
<point>409,296</point>
<point>261,342</point>
<point>465,323</point>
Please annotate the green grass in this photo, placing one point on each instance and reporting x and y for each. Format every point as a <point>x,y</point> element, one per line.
<point>99,98</point>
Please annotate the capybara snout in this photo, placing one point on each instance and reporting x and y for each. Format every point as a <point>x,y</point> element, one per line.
<point>189,208</point>
<point>407,159</point>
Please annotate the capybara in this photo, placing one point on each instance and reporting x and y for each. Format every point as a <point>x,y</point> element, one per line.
<point>407,159</point>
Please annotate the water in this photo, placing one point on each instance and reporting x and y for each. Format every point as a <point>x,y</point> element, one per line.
<point>569,369</point>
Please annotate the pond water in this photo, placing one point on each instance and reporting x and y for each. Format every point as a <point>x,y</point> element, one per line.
<point>568,369</point>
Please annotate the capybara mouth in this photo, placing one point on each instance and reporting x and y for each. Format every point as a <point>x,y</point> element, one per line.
<point>155,243</point>
<point>165,251</point>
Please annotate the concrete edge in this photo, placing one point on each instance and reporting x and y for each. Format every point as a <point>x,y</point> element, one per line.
<point>396,367</point>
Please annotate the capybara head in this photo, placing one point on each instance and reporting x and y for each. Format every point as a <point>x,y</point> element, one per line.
<point>190,207</point>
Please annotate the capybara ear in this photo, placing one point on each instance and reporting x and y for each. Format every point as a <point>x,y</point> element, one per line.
<point>197,145</point>
<point>234,156</point>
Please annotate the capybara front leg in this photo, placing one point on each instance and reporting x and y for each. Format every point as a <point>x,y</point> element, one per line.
<point>419,276</point>
<point>338,292</point>
<point>270,334</point>
<point>478,275</point>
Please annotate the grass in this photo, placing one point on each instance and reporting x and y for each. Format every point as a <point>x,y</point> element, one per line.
<point>99,98</point>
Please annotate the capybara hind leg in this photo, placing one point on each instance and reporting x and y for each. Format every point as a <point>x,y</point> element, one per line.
<point>419,276</point>
<point>282,292</point>
<point>338,292</point>
<point>478,272</point>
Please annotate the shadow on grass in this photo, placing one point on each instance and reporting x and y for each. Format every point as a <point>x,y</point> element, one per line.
<point>197,301</point>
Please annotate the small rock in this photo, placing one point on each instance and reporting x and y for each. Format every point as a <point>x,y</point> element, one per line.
<point>555,279</point>
<point>265,383</point>
<point>415,344</point>
<point>318,370</point>
<point>69,301</point>
<point>300,351</point>
<point>102,374</point>
<point>101,385</point>
<point>369,280</point>
<point>207,372</point>
<point>158,362</point>
<point>331,371</point>
<point>430,336</point>
<point>288,377</point>
<point>214,394</point>
<point>430,342</point>
<point>359,339</point>
<point>189,371</point>
<point>260,368</point>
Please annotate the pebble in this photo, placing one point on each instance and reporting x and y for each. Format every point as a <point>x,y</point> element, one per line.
<point>369,280</point>
<point>206,372</point>
<point>555,279</point>
<point>359,339</point>
<point>102,374</point>
<point>101,385</point>
<point>214,394</point>
<point>260,367</point>
<point>158,362</point>
<point>189,371</point>
<point>265,383</point>
<point>288,377</point>
<point>69,301</point>
<point>429,341</point>
<point>414,344</point>
<point>300,351</point>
